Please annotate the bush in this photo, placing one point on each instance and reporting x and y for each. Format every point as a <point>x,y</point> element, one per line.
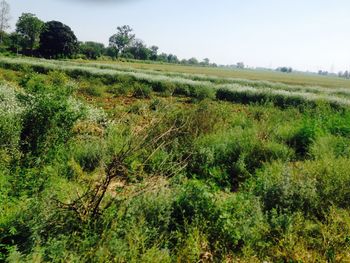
<point>47,120</point>
<point>120,89</point>
<point>141,91</point>
<point>163,87</point>
<point>311,187</point>
<point>10,123</point>
<point>329,146</point>
<point>88,154</point>
<point>182,90</point>
<point>229,158</point>
<point>94,91</point>
<point>304,137</point>
<point>201,93</point>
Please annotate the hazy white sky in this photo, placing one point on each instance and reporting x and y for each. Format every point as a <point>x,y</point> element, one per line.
<point>303,34</point>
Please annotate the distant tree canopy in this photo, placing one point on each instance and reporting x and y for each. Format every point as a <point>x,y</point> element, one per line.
<point>91,50</point>
<point>240,65</point>
<point>285,69</point>
<point>29,28</point>
<point>57,40</point>
<point>122,39</point>
<point>53,39</point>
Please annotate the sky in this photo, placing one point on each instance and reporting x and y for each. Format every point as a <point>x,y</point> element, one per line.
<point>304,34</point>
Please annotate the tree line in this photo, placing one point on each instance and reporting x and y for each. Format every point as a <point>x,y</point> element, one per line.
<point>53,39</point>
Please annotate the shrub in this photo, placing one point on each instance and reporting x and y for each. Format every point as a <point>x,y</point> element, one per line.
<point>163,86</point>
<point>330,146</point>
<point>94,91</point>
<point>228,158</point>
<point>57,78</point>
<point>311,187</point>
<point>182,90</point>
<point>119,89</point>
<point>88,154</point>
<point>304,137</point>
<point>202,92</point>
<point>141,90</point>
<point>47,120</point>
<point>10,123</point>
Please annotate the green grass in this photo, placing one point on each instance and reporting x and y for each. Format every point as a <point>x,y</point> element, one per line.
<point>114,165</point>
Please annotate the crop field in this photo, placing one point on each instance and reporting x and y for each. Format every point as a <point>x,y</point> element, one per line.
<point>134,162</point>
<point>260,75</point>
<point>236,89</point>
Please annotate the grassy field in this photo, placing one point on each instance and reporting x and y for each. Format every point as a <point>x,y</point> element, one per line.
<point>106,162</point>
<point>236,90</point>
<point>294,78</point>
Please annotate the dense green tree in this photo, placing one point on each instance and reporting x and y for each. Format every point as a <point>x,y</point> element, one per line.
<point>110,52</point>
<point>172,59</point>
<point>91,50</point>
<point>122,39</point>
<point>205,62</point>
<point>154,52</point>
<point>57,40</point>
<point>138,50</point>
<point>14,42</point>
<point>162,57</point>
<point>285,69</point>
<point>240,65</point>
<point>193,61</point>
<point>29,28</point>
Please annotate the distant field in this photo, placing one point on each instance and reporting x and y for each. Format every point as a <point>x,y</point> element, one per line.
<point>294,78</point>
<point>176,82</point>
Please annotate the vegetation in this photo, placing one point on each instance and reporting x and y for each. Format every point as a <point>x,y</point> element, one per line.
<point>101,163</point>
<point>57,40</point>
<point>28,29</point>
<point>117,160</point>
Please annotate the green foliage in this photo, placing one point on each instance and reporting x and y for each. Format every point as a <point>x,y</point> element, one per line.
<point>91,50</point>
<point>311,187</point>
<point>89,154</point>
<point>92,90</point>
<point>201,93</point>
<point>57,40</point>
<point>120,89</point>
<point>231,157</point>
<point>304,137</point>
<point>29,28</point>
<point>48,117</point>
<point>164,180</point>
<point>141,90</point>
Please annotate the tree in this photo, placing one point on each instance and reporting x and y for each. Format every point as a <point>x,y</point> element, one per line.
<point>4,18</point>
<point>122,39</point>
<point>172,59</point>
<point>138,50</point>
<point>162,57</point>
<point>111,52</point>
<point>14,42</point>
<point>91,50</point>
<point>29,28</point>
<point>285,70</point>
<point>240,65</point>
<point>193,61</point>
<point>154,52</point>
<point>205,62</point>
<point>57,40</point>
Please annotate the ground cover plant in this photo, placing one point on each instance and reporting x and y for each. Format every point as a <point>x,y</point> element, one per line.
<point>115,165</point>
